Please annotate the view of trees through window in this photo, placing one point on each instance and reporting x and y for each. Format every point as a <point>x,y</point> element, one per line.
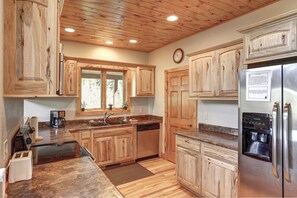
<point>115,89</point>
<point>91,89</point>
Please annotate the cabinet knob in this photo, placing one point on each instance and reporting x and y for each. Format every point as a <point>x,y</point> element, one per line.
<point>284,38</point>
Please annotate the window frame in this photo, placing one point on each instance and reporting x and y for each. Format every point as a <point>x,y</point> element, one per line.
<point>104,69</point>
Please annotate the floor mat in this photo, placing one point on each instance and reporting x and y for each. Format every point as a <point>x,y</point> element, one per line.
<point>124,174</point>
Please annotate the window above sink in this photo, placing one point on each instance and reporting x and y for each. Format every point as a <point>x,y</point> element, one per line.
<point>101,89</point>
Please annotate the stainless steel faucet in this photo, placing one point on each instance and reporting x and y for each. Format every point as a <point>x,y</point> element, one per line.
<point>106,116</point>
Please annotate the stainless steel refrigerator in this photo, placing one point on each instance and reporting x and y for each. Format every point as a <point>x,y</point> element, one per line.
<point>268,131</point>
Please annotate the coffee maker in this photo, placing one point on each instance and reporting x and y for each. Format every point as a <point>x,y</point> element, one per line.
<point>57,119</point>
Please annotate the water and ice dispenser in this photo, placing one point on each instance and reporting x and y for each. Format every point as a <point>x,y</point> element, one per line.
<point>257,135</point>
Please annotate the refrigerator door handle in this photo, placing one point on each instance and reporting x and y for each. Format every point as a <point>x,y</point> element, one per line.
<point>274,138</point>
<point>286,142</point>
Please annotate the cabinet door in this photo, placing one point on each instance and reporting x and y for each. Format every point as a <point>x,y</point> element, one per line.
<point>188,168</point>
<point>271,42</point>
<point>103,150</point>
<point>30,64</point>
<point>201,75</point>
<point>86,140</point>
<point>70,78</point>
<point>219,178</point>
<point>145,81</point>
<point>229,60</point>
<point>124,147</point>
<point>77,136</point>
<point>25,63</point>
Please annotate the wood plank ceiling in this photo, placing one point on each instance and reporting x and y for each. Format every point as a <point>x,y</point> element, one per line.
<point>96,21</point>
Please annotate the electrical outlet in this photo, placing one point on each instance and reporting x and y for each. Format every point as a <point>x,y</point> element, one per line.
<point>5,149</point>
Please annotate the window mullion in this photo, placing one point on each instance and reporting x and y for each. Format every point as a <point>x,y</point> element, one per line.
<point>103,95</point>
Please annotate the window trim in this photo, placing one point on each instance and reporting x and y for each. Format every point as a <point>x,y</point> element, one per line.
<point>104,69</point>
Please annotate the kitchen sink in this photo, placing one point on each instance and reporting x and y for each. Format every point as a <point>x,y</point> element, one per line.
<point>97,123</point>
<point>118,122</point>
<point>101,123</point>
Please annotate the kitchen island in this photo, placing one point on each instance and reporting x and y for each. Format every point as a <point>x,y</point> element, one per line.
<point>79,177</point>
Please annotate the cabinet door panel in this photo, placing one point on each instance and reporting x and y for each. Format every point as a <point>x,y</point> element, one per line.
<point>30,43</point>
<point>103,150</point>
<point>77,136</point>
<point>70,77</point>
<point>201,75</point>
<point>145,81</point>
<point>124,147</point>
<point>229,62</point>
<point>219,179</point>
<point>87,143</point>
<point>188,168</point>
<point>270,41</point>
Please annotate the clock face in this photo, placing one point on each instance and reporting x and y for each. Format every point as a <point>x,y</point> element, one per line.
<point>178,55</point>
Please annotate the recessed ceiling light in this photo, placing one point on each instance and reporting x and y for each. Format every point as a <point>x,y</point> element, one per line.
<point>69,30</point>
<point>172,18</point>
<point>109,42</point>
<point>133,41</point>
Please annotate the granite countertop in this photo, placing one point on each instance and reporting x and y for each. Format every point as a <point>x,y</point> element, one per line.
<point>60,135</point>
<point>216,138</point>
<point>79,177</point>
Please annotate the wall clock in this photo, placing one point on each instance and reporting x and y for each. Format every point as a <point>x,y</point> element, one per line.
<point>178,55</point>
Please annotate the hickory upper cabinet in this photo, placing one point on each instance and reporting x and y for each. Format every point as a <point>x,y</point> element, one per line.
<point>145,85</point>
<point>30,42</point>
<point>201,72</point>
<point>214,72</point>
<point>70,78</point>
<point>271,39</point>
<point>228,62</point>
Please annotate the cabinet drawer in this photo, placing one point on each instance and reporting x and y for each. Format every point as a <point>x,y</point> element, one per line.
<point>220,153</point>
<point>85,134</point>
<point>188,143</point>
<point>112,131</point>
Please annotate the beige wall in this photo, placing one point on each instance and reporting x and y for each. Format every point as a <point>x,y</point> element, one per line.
<point>11,110</point>
<point>103,53</point>
<point>217,113</point>
<point>42,107</point>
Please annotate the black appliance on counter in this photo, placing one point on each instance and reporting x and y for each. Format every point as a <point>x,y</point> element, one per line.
<point>57,119</point>
<point>23,139</point>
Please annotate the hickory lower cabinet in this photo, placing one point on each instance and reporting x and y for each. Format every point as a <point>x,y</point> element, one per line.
<point>189,164</point>
<point>84,138</point>
<point>109,145</point>
<point>206,169</point>
<point>114,145</point>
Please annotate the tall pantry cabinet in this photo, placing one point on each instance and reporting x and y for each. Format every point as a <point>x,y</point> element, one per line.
<point>31,47</point>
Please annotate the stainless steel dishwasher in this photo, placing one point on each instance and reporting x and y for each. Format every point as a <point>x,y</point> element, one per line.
<point>148,140</point>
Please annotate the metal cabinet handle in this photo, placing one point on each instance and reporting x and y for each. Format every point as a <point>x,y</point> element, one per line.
<point>187,141</point>
<point>286,142</point>
<point>274,138</point>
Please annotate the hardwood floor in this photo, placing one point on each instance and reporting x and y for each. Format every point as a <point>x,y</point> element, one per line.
<point>162,184</point>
